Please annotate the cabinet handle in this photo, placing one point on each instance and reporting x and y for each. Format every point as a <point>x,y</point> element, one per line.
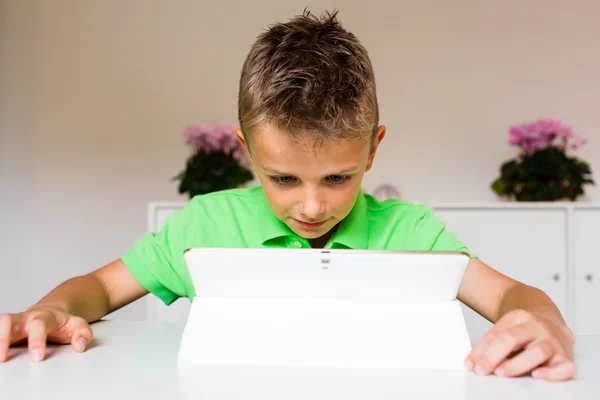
<point>556,277</point>
<point>588,277</point>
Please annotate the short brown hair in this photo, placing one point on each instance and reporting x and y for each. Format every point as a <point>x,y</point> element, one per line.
<point>309,76</point>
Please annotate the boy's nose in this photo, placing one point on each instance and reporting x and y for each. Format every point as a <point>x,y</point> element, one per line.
<point>312,207</point>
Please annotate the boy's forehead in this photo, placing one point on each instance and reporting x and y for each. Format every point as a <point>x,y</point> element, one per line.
<point>274,137</point>
<point>273,152</point>
<point>273,142</point>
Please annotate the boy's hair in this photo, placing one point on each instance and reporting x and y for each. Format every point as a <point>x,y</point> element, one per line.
<point>309,76</point>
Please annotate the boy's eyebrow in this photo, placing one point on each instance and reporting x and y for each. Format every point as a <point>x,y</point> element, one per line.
<point>344,171</point>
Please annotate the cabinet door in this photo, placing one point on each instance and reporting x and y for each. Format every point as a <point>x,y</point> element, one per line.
<point>587,271</point>
<point>157,310</point>
<point>528,245</point>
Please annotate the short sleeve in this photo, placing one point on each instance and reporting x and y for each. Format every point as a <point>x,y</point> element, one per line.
<point>156,260</point>
<point>439,238</point>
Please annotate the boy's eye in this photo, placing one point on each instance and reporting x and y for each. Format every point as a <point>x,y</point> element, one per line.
<point>283,180</point>
<point>289,180</point>
<point>338,179</point>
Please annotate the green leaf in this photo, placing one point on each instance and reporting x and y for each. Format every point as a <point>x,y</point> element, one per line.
<point>498,187</point>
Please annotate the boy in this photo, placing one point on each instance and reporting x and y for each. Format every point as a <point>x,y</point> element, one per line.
<point>309,122</point>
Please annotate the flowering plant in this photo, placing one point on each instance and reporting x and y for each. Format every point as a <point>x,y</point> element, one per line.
<point>218,160</point>
<point>543,171</point>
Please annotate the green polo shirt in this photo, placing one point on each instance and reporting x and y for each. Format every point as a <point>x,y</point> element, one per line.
<point>241,218</point>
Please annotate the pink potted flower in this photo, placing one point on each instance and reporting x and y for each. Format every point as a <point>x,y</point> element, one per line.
<point>217,161</point>
<point>543,170</point>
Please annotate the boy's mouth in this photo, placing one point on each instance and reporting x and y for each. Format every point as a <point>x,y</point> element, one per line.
<point>309,225</point>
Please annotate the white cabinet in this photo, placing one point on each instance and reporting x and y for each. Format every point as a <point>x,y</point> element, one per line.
<point>552,246</point>
<point>158,212</point>
<point>586,260</point>
<point>528,245</point>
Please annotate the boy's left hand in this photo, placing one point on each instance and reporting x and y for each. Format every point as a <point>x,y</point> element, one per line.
<point>523,342</point>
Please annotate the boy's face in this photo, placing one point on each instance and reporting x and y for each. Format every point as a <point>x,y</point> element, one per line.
<point>310,188</point>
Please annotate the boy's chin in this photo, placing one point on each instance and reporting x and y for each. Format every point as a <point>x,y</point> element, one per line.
<point>311,234</point>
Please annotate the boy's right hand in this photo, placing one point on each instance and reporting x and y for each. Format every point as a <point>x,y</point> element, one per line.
<point>41,324</point>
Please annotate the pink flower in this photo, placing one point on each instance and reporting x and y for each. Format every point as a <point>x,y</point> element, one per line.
<point>222,137</point>
<point>539,135</point>
<point>578,144</point>
<point>191,133</point>
<point>215,138</point>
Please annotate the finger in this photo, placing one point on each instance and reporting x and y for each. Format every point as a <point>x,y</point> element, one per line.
<point>530,358</point>
<point>560,372</point>
<point>82,335</point>
<point>37,332</point>
<point>509,320</point>
<point>5,335</point>
<point>18,334</point>
<point>479,349</point>
<point>503,345</point>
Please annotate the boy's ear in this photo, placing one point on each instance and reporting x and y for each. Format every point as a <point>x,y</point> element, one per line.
<point>240,137</point>
<point>379,135</point>
<point>242,140</point>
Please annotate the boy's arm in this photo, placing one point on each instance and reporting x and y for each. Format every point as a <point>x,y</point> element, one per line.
<point>529,334</point>
<point>63,314</point>
<point>96,294</point>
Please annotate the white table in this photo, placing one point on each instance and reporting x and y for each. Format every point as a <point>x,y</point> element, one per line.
<point>137,360</point>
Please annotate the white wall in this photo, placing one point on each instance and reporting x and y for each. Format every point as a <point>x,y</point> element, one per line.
<point>94,95</point>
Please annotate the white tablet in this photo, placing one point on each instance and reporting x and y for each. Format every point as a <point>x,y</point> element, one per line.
<point>318,273</point>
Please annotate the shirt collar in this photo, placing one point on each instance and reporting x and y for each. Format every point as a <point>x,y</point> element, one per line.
<point>270,227</point>
<point>353,231</point>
